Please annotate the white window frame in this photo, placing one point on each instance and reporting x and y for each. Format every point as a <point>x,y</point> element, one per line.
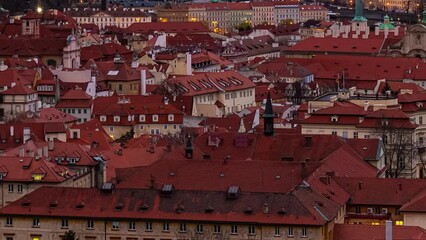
<point>182,227</point>
<point>217,229</point>
<point>36,222</point>
<point>304,232</point>
<point>103,118</point>
<point>166,227</point>
<point>9,221</point>
<point>116,118</point>
<point>148,226</point>
<point>64,223</point>
<point>141,118</point>
<point>290,232</point>
<point>171,117</point>
<point>251,230</point>
<point>155,118</point>
<point>234,229</point>
<point>132,225</point>
<point>277,232</point>
<point>90,224</point>
<point>199,228</point>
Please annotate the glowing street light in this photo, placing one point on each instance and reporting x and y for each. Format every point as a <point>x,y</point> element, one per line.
<point>39,9</point>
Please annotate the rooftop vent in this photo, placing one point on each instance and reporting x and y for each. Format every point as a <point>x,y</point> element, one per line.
<point>80,205</point>
<point>282,211</point>
<point>119,206</point>
<point>248,210</point>
<point>209,209</point>
<point>144,207</point>
<point>53,204</point>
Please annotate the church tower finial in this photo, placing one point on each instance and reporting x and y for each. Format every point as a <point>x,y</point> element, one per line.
<point>268,117</point>
<point>358,12</point>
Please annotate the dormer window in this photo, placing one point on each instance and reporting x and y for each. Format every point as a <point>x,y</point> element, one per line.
<point>103,118</point>
<point>334,118</point>
<point>3,175</point>
<point>419,104</point>
<point>38,177</point>
<point>116,118</point>
<point>385,122</point>
<point>155,118</point>
<point>171,117</point>
<point>141,118</point>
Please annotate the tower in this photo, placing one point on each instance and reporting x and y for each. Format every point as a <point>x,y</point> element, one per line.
<point>268,117</point>
<point>31,24</point>
<point>359,22</point>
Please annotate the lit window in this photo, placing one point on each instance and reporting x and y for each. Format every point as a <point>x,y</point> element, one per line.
<point>374,223</point>
<point>38,177</point>
<point>399,223</point>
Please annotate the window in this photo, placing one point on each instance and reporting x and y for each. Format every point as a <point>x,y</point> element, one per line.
<point>36,222</point>
<point>290,232</point>
<point>141,118</point>
<point>79,111</point>
<point>277,231</point>
<point>148,226</point>
<point>9,237</point>
<point>103,118</point>
<point>111,129</point>
<point>116,118</point>
<point>420,120</point>
<point>345,134</point>
<point>234,229</point>
<point>182,227</point>
<point>199,228</point>
<point>334,133</point>
<point>90,224</point>
<point>355,134</point>
<point>399,223</point>
<point>166,227</point>
<point>64,223</point>
<point>251,230</point>
<point>357,209</point>
<point>366,136</point>
<point>304,232</point>
<point>155,118</point>
<point>115,225</point>
<point>216,228</point>
<point>10,188</point>
<point>132,225</point>
<point>9,221</point>
<point>171,117</point>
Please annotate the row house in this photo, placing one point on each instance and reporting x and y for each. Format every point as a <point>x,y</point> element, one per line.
<point>22,175</point>
<point>166,214</point>
<point>18,99</point>
<point>214,94</point>
<point>240,13</point>
<point>315,12</point>
<point>77,103</point>
<point>153,114</point>
<point>263,12</point>
<point>287,12</point>
<point>170,12</point>
<point>122,18</point>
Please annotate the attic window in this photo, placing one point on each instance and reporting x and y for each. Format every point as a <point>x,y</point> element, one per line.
<point>167,189</point>
<point>119,206</point>
<point>233,192</point>
<point>248,210</point>
<point>385,122</point>
<point>53,204</point>
<point>334,118</point>
<point>282,211</point>
<point>419,104</point>
<point>80,205</point>
<point>144,207</point>
<point>38,177</point>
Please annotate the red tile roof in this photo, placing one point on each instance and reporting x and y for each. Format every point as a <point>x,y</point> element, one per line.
<point>209,82</point>
<point>75,98</point>
<point>365,231</point>
<point>93,203</point>
<point>168,27</point>
<point>21,169</point>
<point>18,89</point>
<point>381,191</point>
<point>92,132</point>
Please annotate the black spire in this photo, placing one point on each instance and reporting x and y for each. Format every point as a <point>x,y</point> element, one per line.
<point>268,117</point>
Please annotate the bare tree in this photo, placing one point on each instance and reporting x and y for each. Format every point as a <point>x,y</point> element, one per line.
<point>398,146</point>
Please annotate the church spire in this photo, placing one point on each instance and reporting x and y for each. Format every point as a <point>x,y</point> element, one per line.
<point>424,17</point>
<point>358,12</point>
<point>268,117</point>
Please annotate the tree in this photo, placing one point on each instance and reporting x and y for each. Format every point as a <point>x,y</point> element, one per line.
<point>243,26</point>
<point>398,145</point>
<point>386,88</point>
<point>287,21</point>
<point>69,235</point>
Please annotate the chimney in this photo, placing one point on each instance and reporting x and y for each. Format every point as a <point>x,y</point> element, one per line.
<point>143,82</point>
<point>265,208</point>
<point>189,150</point>
<point>12,131</point>
<point>388,230</point>
<point>366,104</point>
<point>359,185</point>
<point>396,31</point>
<point>51,145</point>
<point>45,151</point>
<point>188,63</point>
<point>21,152</point>
<point>376,31</point>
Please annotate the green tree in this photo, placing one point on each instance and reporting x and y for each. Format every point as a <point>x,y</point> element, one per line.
<point>243,26</point>
<point>287,21</point>
<point>69,235</point>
